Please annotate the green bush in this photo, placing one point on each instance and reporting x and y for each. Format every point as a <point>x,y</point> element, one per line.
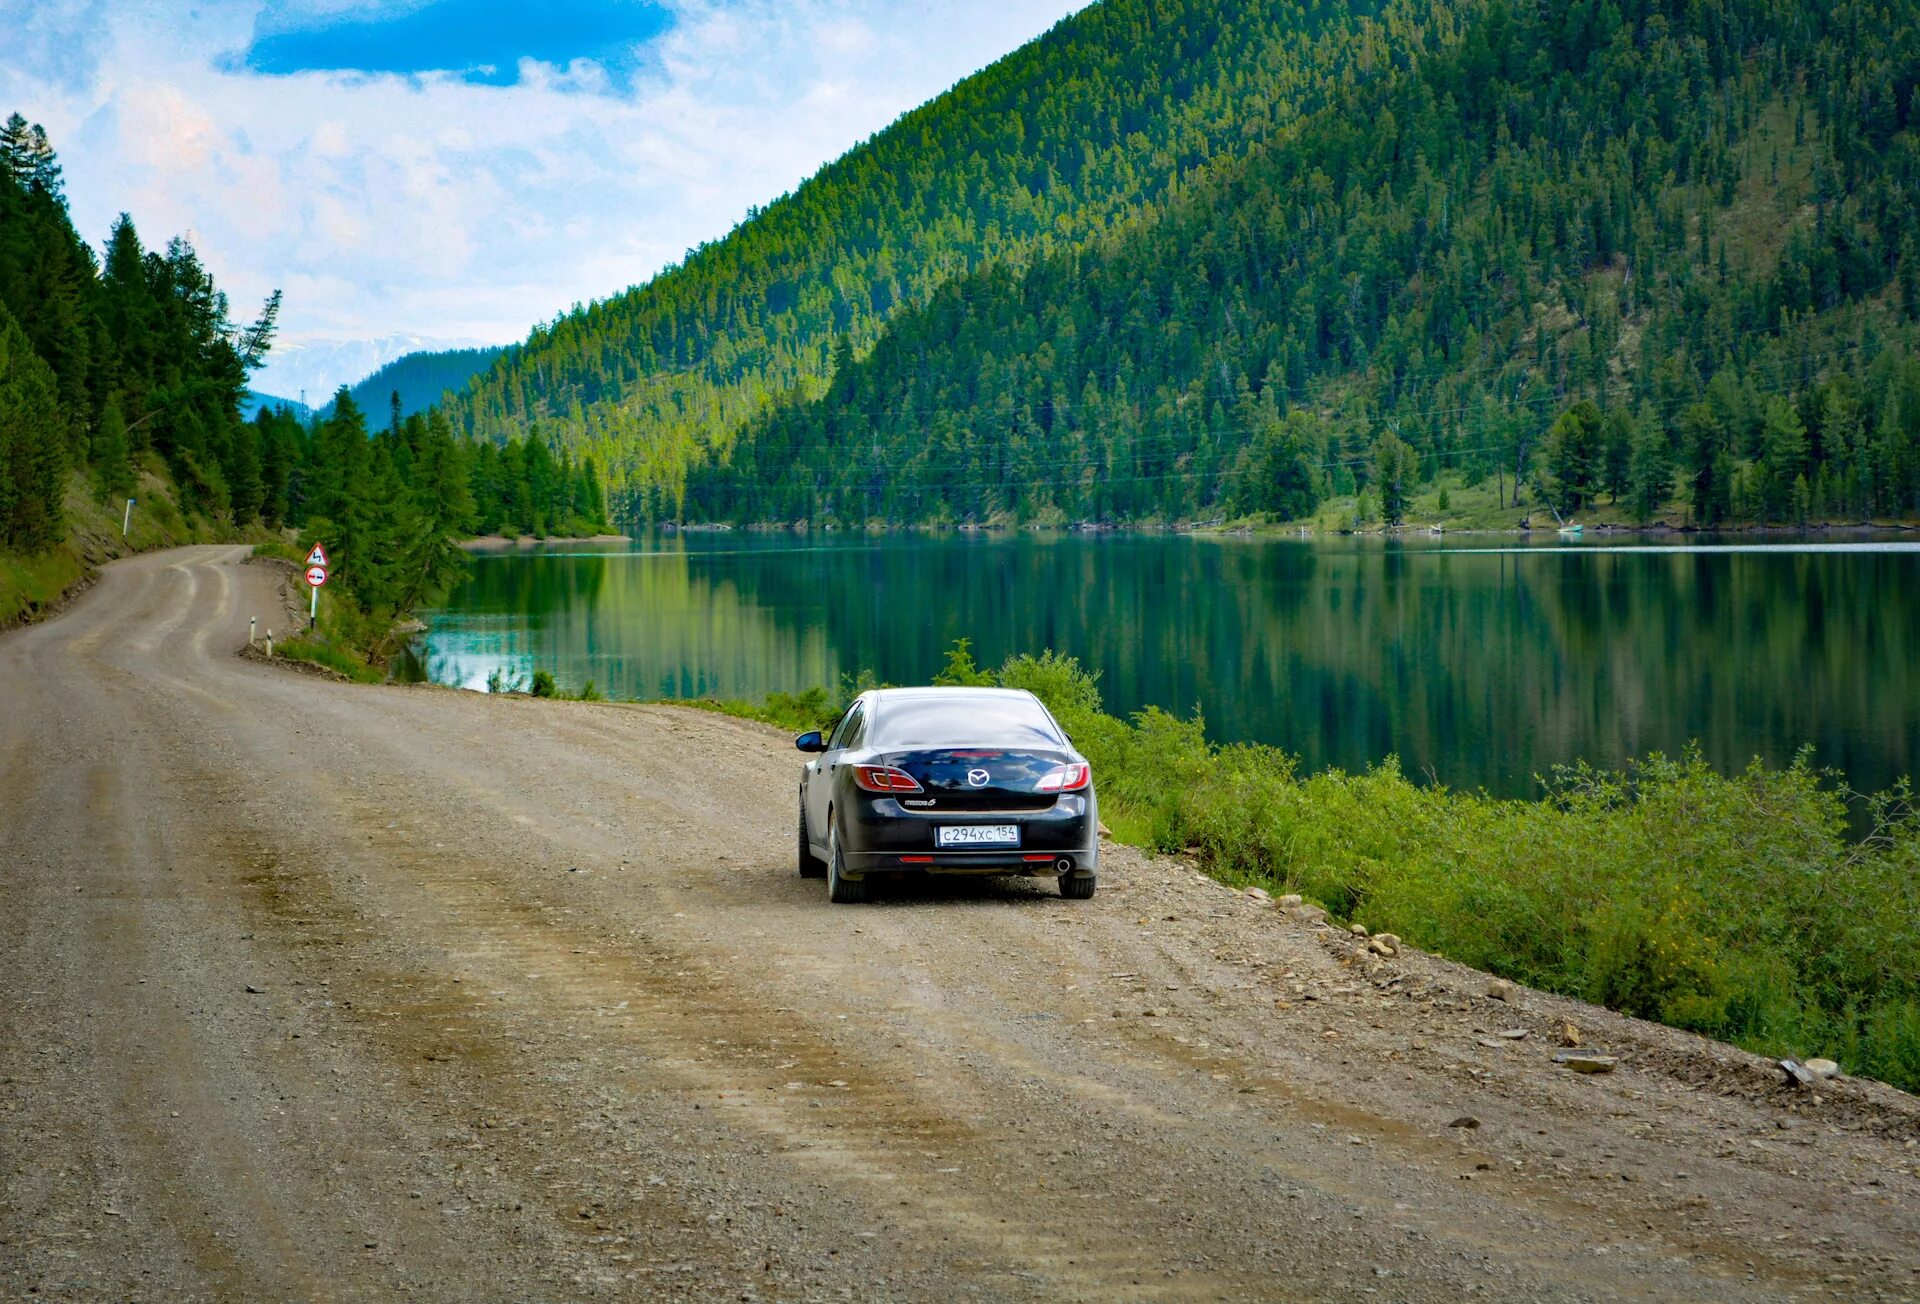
<point>1733,906</point>
<point>960,670</point>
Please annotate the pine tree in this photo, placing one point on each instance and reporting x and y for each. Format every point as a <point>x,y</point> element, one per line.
<point>112,457</point>
<point>28,158</point>
<point>1650,469</point>
<point>1395,467</point>
<point>32,444</point>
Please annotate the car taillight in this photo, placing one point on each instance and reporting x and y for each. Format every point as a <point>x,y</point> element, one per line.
<point>884,778</point>
<point>1067,778</point>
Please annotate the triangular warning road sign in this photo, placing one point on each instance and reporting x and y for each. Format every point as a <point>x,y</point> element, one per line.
<point>318,557</point>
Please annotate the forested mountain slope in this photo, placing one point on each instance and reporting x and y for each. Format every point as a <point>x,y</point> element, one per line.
<point>101,363</point>
<point>421,379</point>
<point>1632,248</point>
<point>128,378</point>
<point>1091,124</point>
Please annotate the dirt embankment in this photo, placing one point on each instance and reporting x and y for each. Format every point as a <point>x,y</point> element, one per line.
<point>323,991</point>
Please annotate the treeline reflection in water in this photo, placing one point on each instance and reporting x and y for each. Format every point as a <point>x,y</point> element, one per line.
<point>1477,666</point>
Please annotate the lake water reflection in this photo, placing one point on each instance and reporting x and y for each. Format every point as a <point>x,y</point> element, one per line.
<point>1476,662</point>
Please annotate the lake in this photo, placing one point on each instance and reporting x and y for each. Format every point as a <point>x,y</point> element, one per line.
<point>1478,661</point>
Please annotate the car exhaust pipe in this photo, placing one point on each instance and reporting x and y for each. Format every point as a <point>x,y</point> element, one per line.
<point>1063,865</point>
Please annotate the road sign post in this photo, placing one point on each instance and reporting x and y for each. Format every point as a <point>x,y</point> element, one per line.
<point>316,576</point>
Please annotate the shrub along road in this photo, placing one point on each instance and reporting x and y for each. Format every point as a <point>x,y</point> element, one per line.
<point>319,990</point>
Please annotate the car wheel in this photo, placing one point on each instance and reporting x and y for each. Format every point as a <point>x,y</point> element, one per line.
<point>811,866</point>
<point>1077,889</point>
<point>840,890</point>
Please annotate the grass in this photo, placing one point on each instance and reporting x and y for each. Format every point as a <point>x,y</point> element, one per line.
<point>32,584</point>
<point>321,653</point>
<point>1736,906</point>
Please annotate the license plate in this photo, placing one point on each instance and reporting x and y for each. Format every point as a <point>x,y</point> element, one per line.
<point>977,835</point>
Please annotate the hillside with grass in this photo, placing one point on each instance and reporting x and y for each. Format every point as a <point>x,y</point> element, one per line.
<point>1649,259</point>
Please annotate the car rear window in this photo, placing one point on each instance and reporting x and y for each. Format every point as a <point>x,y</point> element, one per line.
<point>962,722</point>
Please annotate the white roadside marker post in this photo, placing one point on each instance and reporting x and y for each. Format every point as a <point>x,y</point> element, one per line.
<point>251,622</point>
<point>269,645</point>
<point>126,522</point>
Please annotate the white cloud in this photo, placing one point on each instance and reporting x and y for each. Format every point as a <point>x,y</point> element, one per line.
<point>433,206</point>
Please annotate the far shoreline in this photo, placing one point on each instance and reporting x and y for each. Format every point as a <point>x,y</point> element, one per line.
<point>501,543</point>
<point>1237,530</point>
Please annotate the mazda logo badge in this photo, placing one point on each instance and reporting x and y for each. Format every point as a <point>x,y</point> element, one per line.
<point>978,778</point>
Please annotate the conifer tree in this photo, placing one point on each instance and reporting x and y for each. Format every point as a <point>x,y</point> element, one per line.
<point>32,444</point>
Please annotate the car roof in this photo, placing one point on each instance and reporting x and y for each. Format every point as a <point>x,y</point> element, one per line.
<point>937,691</point>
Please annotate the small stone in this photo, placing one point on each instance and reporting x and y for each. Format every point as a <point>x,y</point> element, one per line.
<point>1289,901</point>
<point>1500,990</point>
<point>1585,1061</point>
<point>1307,915</point>
<point>1258,894</point>
<point>1568,1034</point>
<point>1358,930</point>
<point>1385,943</point>
<point>256,991</point>
<point>1516,1034</point>
<point>1824,1069</point>
<point>1798,1073</point>
<point>1465,1120</point>
<point>1105,832</point>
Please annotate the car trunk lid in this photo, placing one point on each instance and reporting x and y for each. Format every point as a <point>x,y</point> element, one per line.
<point>978,778</point>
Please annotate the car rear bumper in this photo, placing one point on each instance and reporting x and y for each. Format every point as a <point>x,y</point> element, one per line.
<point>1082,861</point>
<point>883,836</point>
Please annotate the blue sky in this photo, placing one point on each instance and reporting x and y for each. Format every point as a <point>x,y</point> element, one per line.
<point>460,169</point>
<point>481,40</point>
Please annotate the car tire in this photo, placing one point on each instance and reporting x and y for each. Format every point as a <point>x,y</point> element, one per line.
<point>841,891</point>
<point>1077,888</point>
<point>811,866</point>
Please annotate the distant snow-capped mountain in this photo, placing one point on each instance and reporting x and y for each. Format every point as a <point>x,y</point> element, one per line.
<point>310,370</point>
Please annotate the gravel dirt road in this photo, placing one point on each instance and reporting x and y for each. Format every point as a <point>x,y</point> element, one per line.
<point>318,991</point>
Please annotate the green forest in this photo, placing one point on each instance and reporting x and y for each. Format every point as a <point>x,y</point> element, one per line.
<point>422,379</point>
<point>1075,134</point>
<point>103,361</point>
<point>1653,255</point>
<point>1647,259</point>
<point>130,365</point>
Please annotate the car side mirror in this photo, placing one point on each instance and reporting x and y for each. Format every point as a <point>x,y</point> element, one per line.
<point>811,742</point>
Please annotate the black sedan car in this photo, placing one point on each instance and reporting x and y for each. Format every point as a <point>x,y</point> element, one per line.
<point>946,781</point>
